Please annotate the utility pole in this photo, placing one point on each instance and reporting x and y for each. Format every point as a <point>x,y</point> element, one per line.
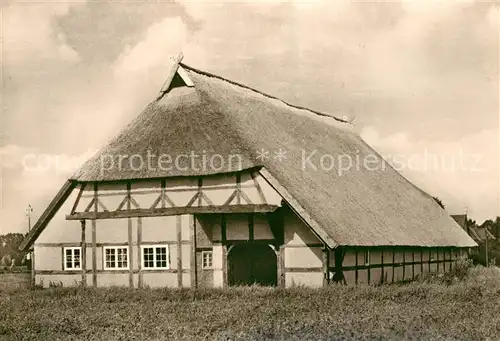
<point>467,229</point>
<point>31,254</point>
<point>29,210</point>
<point>486,245</point>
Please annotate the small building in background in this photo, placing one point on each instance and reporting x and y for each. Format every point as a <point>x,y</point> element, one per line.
<point>478,233</point>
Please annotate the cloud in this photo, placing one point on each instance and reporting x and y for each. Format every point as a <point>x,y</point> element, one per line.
<point>398,141</point>
<point>135,78</point>
<point>37,176</point>
<point>463,173</point>
<point>11,156</point>
<point>357,51</point>
<point>140,70</point>
<point>162,40</point>
<point>39,55</point>
<point>494,16</point>
<point>38,39</point>
<point>27,161</point>
<point>403,69</point>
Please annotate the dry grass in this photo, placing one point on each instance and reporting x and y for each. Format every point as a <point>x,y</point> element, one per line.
<point>429,310</point>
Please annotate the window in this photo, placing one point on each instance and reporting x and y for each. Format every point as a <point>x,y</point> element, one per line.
<point>155,257</point>
<point>116,258</point>
<point>72,258</point>
<point>206,257</point>
<point>367,258</point>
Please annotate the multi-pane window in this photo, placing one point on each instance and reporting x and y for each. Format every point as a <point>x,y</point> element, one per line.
<point>207,261</point>
<point>72,258</point>
<point>115,258</point>
<point>155,257</point>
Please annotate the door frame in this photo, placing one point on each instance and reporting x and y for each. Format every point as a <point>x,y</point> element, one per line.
<point>229,247</point>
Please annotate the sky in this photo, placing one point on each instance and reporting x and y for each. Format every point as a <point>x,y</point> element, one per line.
<point>418,77</point>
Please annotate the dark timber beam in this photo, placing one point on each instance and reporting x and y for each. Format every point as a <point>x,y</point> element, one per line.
<point>437,258</point>
<point>129,237</point>
<point>326,266</point>
<point>393,262</point>
<point>430,260</point>
<point>48,214</point>
<point>193,263</point>
<point>168,211</point>
<point>244,241</point>
<point>368,271</point>
<point>178,226</point>
<point>251,232</point>
<point>94,239</point>
<point>404,267</point>
<point>139,252</point>
<point>421,263</point>
<point>79,196</point>
<point>413,265</point>
<point>223,229</point>
<point>259,189</point>
<point>382,274</point>
<point>276,224</point>
<point>338,276</point>
<point>238,188</point>
<point>356,275</point>
<point>375,266</point>
<point>83,255</point>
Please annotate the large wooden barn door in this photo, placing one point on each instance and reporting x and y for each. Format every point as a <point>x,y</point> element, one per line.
<point>252,264</point>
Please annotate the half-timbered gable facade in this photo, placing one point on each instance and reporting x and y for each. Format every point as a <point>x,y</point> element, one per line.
<point>216,184</point>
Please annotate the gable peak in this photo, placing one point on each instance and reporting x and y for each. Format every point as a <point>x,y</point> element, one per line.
<point>177,76</point>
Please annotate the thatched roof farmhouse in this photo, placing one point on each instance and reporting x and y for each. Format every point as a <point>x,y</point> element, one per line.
<point>255,190</point>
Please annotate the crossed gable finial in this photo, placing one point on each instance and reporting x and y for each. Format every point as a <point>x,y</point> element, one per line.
<point>176,69</point>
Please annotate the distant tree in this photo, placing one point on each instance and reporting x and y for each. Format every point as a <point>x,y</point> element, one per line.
<point>496,227</point>
<point>492,226</point>
<point>440,203</point>
<point>487,223</point>
<point>9,247</point>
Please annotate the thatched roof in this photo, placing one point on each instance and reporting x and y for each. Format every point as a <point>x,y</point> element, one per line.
<point>360,207</point>
<point>480,234</point>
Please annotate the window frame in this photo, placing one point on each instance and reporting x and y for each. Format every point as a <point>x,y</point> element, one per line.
<point>155,262</point>
<point>367,258</point>
<point>65,265</point>
<point>105,267</point>
<point>203,253</point>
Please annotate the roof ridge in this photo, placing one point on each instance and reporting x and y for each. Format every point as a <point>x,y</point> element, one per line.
<point>208,74</point>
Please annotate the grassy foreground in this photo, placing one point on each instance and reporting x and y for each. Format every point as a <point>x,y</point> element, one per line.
<point>430,310</point>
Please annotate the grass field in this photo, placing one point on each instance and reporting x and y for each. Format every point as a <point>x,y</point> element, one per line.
<point>428,310</point>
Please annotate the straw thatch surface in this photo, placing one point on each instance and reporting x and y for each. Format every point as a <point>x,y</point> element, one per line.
<point>480,234</point>
<point>359,207</point>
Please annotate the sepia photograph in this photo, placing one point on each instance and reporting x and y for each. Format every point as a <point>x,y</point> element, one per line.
<point>249,170</point>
